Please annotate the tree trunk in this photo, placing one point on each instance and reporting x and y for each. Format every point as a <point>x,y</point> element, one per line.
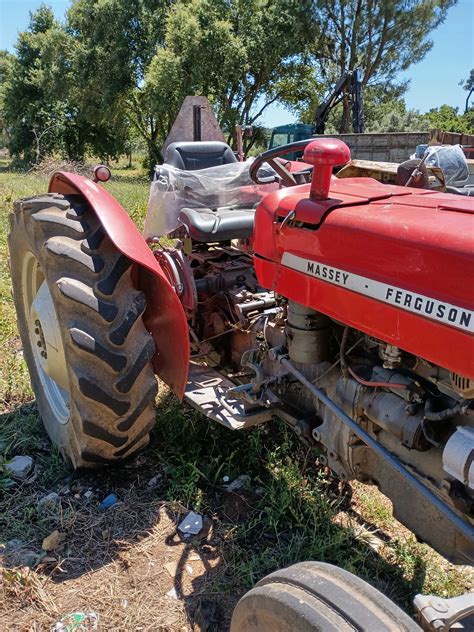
<point>344,128</point>
<point>154,157</point>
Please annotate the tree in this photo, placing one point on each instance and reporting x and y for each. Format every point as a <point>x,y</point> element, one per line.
<point>34,97</point>
<point>275,38</point>
<point>448,119</point>
<point>385,110</point>
<point>144,56</point>
<point>46,108</point>
<point>6,62</point>
<point>117,40</point>
<point>469,86</point>
<point>380,37</point>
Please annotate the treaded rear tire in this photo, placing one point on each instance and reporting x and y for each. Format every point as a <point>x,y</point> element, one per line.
<point>313,596</point>
<point>108,351</point>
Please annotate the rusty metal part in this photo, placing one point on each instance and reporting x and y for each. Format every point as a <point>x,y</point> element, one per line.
<point>208,391</point>
<point>458,523</point>
<point>309,334</point>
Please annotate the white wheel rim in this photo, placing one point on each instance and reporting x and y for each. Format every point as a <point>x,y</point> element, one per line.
<point>45,338</point>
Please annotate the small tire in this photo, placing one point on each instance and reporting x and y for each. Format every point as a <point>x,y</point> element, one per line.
<point>313,596</point>
<point>100,408</point>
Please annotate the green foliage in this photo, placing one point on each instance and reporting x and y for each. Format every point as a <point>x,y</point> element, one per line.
<point>116,41</point>
<point>115,74</point>
<point>448,118</point>
<point>380,38</point>
<point>468,85</point>
<point>385,111</point>
<point>34,98</point>
<point>242,55</point>
<point>6,63</point>
<point>45,106</point>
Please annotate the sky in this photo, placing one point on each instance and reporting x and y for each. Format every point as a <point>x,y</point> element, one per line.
<point>433,81</point>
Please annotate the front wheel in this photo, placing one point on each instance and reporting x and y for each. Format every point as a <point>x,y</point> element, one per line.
<point>80,321</point>
<point>317,597</point>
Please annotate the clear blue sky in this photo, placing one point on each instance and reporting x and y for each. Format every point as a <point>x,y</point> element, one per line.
<point>434,80</point>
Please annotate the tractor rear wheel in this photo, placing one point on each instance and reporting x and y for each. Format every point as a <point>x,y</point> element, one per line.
<point>80,321</point>
<point>313,596</point>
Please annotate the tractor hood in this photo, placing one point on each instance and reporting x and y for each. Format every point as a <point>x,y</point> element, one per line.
<point>394,262</point>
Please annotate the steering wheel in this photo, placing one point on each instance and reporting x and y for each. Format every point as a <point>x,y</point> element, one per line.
<point>272,158</point>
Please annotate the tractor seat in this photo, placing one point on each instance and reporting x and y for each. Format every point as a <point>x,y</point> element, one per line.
<point>223,224</point>
<point>198,155</point>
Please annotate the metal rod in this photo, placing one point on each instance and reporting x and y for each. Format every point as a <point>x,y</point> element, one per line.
<point>465,529</point>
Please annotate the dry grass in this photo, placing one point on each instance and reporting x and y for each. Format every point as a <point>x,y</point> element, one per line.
<point>124,581</point>
<point>50,164</point>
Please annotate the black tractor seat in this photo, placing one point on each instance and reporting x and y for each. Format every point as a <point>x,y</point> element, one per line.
<point>222,224</point>
<point>202,221</point>
<point>191,156</point>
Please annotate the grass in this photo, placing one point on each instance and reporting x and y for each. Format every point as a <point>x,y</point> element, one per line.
<point>293,510</point>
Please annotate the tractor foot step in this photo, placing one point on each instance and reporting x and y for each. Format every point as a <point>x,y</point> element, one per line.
<point>206,390</point>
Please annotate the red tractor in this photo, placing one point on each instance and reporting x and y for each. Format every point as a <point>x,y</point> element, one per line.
<point>344,307</point>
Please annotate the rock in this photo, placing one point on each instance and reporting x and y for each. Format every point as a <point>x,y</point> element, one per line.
<point>207,530</point>
<point>154,482</point>
<point>240,483</point>
<point>88,494</point>
<point>48,502</point>
<point>25,557</point>
<point>226,479</point>
<point>53,540</point>
<point>171,568</point>
<point>191,525</point>
<point>172,593</point>
<point>15,553</point>
<point>19,467</point>
<point>13,544</point>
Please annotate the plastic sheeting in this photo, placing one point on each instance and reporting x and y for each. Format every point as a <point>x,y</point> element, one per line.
<point>451,159</point>
<point>226,186</point>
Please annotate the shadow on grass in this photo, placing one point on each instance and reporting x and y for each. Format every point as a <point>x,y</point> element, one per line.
<point>286,515</point>
<point>7,167</point>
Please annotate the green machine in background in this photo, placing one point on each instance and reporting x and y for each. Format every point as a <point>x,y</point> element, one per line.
<point>349,86</point>
<point>284,134</point>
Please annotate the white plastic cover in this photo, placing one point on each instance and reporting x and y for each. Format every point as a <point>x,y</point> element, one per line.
<point>225,186</point>
<point>451,159</point>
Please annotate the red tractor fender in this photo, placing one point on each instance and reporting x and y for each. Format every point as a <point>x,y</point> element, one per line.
<point>164,317</point>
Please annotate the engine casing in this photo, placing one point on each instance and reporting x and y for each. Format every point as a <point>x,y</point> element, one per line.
<point>393,262</point>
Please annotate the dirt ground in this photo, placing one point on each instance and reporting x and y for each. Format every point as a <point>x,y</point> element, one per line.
<point>128,564</point>
<point>132,569</point>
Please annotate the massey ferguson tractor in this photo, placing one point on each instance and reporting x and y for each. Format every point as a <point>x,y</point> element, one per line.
<point>343,307</point>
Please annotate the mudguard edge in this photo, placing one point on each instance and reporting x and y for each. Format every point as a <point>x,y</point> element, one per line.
<point>164,316</point>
